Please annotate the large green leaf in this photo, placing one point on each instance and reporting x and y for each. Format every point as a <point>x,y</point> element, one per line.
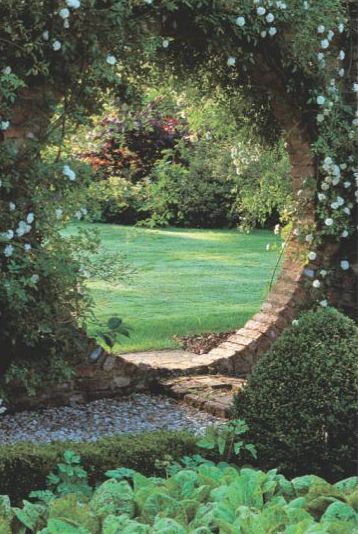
<point>113,497</point>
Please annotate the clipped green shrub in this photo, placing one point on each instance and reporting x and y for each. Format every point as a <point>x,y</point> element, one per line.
<point>300,401</point>
<point>206,499</point>
<point>29,464</point>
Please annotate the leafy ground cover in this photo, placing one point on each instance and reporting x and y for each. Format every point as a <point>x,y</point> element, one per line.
<point>206,498</point>
<point>186,282</point>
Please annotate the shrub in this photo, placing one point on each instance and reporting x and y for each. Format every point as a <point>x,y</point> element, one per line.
<point>205,499</point>
<point>29,464</point>
<point>194,187</point>
<point>300,401</point>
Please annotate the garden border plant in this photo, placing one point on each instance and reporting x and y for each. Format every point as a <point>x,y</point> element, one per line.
<point>62,58</point>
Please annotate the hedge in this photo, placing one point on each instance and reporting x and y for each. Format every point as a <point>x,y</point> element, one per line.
<point>25,466</point>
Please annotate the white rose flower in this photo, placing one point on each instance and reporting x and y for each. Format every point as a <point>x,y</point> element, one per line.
<point>321,197</point>
<point>341,73</point>
<point>35,278</point>
<point>320,28</point>
<point>316,284</point>
<point>347,211</point>
<point>312,255</point>
<point>240,21</point>
<point>4,125</point>
<point>27,247</point>
<point>56,45</point>
<point>260,10</point>
<point>270,17</point>
<point>75,4</point>
<point>329,222</point>
<point>323,303</point>
<point>345,233</point>
<point>324,43</point>
<point>309,238</point>
<point>320,100</point>
<point>355,87</point>
<point>64,13</point>
<point>345,265</point>
<point>231,62</point>
<point>324,186</point>
<point>12,206</point>
<point>8,250</point>
<point>341,27</point>
<point>341,55</point>
<point>111,60</point>
<point>45,35</point>
<point>69,173</point>
<point>6,70</point>
<point>66,24</point>
<point>334,205</point>
<point>272,31</point>
<point>320,117</point>
<point>295,322</point>
<point>323,273</point>
<point>30,218</point>
<point>263,34</point>
<point>346,184</point>
<point>9,234</point>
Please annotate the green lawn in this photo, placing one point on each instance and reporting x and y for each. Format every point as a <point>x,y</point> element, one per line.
<point>187,281</point>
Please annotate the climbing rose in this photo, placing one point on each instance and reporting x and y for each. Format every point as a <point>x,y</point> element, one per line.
<point>67,171</point>
<point>344,265</point>
<point>321,100</point>
<point>316,284</point>
<point>231,61</point>
<point>270,17</point>
<point>27,247</point>
<point>75,4</point>
<point>111,60</point>
<point>56,45</point>
<point>328,222</point>
<point>324,43</point>
<point>312,255</point>
<point>240,21</point>
<point>261,10</point>
<point>323,303</point>
<point>272,31</point>
<point>320,28</point>
<point>64,13</point>
<point>8,250</point>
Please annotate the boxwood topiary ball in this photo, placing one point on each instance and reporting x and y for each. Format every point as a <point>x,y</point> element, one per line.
<point>300,401</point>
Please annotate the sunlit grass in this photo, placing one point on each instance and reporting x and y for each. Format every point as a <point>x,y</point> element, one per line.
<point>187,281</point>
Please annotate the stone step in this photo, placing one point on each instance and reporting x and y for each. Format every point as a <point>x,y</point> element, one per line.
<point>210,393</point>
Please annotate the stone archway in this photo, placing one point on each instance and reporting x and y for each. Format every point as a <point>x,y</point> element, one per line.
<point>116,375</point>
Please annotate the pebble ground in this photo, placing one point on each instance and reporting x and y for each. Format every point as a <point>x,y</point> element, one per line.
<point>105,417</point>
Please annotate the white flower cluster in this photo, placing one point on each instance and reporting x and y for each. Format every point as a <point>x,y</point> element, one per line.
<point>2,407</point>
<point>69,173</point>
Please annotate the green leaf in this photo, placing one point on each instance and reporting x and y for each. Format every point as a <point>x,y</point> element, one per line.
<point>114,322</point>
<point>237,446</point>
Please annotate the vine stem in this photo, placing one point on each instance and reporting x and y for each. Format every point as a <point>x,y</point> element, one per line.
<point>279,259</point>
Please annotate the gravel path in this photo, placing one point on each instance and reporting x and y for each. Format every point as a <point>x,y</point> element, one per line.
<point>106,417</point>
